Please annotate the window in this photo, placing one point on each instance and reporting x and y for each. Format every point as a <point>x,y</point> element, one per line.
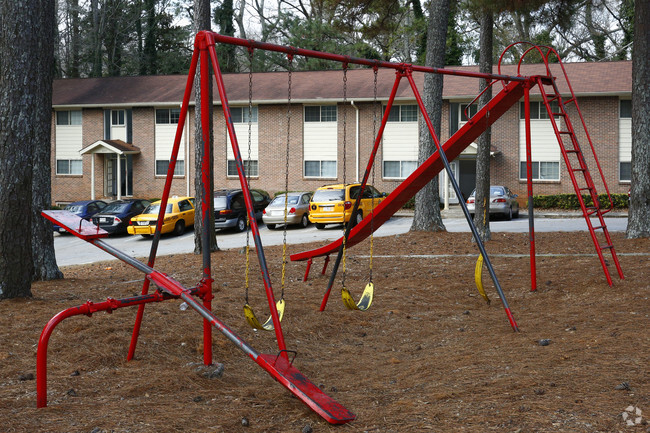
<point>64,118</point>
<point>241,114</point>
<point>403,113</point>
<point>537,110</point>
<point>399,169</point>
<point>68,166</point>
<point>625,171</point>
<point>542,170</point>
<point>320,169</point>
<point>320,113</point>
<point>162,167</point>
<point>250,167</point>
<point>118,118</point>
<point>626,109</point>
<point>166,116</point>
<point>471,111</point>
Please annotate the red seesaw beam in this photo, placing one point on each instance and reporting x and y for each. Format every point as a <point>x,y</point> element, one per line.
<point>506,98</point>
<point>278,366</point>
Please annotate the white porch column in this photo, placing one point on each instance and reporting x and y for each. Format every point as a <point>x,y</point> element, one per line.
<point>119,177</point>
<point>92,176</point>
<point>446,188</point>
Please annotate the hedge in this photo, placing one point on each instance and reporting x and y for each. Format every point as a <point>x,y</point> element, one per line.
<point>570,201</point>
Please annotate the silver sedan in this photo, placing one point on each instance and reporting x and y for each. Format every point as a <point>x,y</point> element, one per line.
<point>297,207</point>
<point>502,202</point>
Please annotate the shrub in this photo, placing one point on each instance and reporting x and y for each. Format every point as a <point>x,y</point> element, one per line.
<point>570,201</point>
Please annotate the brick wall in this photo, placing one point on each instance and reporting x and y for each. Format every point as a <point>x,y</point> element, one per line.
<point>600,113</point>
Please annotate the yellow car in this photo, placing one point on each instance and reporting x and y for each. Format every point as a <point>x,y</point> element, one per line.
<point>178,215</point>
<point>332,204</point>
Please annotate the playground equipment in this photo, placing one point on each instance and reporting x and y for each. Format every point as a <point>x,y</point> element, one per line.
<point>279,366</point>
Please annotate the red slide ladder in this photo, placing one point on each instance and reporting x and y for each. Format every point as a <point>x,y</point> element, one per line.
<point>577,168</point>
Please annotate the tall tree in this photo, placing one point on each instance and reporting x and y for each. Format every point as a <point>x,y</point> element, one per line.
<point>223,18</point>
<point>44,258</point>
<point>427,201</point>
<point>639,216</point>
<point>482,196</point>
<point>202,22</point>
<point>20,53</point>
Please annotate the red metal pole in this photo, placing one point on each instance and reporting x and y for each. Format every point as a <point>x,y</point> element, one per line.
<point>371,160</point>
<point>206,204</point>
<point>307,270</point>
<point>163,206</point>
<point>529,181</point>
<point>88,309</point>
<point>206,38</point>
<point>463,206</point>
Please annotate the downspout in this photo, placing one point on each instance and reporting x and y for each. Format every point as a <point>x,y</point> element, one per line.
<point>356,141</point>
<point>186,161</point>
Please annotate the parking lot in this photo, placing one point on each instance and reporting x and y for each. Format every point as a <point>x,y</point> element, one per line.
<point>73,251</point>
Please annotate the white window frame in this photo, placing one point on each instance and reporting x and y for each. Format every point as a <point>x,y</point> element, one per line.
<point>240,116</point>
<point>165,133</point>
<point>625,140</point>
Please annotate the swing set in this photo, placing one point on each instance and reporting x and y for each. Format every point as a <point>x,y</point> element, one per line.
<point>281,365</point>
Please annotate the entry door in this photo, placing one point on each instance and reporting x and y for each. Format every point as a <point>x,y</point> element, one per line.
<point>452,194</point>
<point>126,175</point>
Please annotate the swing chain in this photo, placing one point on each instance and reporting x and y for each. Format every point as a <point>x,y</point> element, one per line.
<point>250,130</point>
<point>372,205</point>
<point>345,128</point>
<point>286,180</point>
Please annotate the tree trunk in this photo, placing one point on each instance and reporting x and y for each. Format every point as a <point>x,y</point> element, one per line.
<point>427,201</point>
<point>202,22</point>
<point>19,64</point>
<point>43,256</point>
<point>638,225</point>
<point>482,196</point>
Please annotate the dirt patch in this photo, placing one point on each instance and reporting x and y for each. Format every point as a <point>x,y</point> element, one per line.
<point>430,354</point>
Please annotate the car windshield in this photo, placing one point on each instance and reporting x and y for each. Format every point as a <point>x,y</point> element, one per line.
<point>220,202</point>
<point>155,208</point>
<point>116,207</point>
<point>496,190</point>
<point>75,208</point>
<point>328,195</point>
<point>279,200</point>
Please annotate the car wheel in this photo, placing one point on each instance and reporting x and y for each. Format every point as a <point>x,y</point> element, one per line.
<point>270,226</point>
<point>320,226</point>
<point>241,224</point>
<point>516,214</point>
<point>179,228</point>
<point>304,222</point>
<point>358,217</point>
<point>146,236</point>
<point>509,214</point>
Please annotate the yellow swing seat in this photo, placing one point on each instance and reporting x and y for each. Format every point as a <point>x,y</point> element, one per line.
<point>254,322</point>
<point>364,301</point>
<point>478,278</point>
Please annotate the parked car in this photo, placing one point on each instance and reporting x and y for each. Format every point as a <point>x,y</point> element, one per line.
<point>116,216</point>
<point>502,202</point>
<point>332,204</point>
<point>230,207</point>
<point>297,207</point>
<point>178,215</point>
<point>84,209</point>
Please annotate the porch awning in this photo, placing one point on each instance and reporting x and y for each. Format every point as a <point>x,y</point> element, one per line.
<point>118,147</point>
<point>471,150</point>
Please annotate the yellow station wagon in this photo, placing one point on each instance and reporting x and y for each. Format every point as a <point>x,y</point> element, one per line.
<point>332,204</point>
<point>178,215</point>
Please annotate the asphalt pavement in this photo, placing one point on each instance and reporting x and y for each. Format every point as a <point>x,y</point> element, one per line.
<point>73,251</point>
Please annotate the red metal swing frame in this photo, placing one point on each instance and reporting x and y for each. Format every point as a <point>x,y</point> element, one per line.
<point>278,366</point>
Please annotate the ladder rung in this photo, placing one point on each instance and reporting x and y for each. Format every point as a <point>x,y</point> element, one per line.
<point>598,227</point>
<point>559,114</point>
<point>587,188</point>
<point>570,101</point>
<point>606,247</point>
<point>566,132</point>
<point>578,169</point>
<point>591,210</point>
<point>571,151</point>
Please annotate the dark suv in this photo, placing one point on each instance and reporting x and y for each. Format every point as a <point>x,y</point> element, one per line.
<point>115,217</point>
<point>230,208</point>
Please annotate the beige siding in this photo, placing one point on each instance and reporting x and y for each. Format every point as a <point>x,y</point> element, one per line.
<point>164,138</point>
<point>320,141</point>
<point>241,130</point>
<point>69,140</point>
<point>543,141</point>
<point>400,141</point>
<point>625,140</point>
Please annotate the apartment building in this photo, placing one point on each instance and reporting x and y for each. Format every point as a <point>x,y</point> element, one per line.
<point>112,137</point>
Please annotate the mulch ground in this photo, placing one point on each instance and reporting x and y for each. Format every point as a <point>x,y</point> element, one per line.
<point>429,355</point>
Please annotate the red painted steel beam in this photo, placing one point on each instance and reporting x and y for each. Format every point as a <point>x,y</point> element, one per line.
<point>506,98</point>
